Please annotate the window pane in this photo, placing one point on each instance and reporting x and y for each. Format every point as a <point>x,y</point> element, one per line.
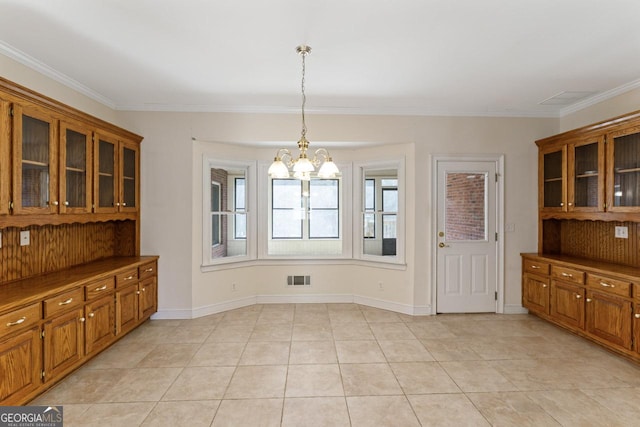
<point>390,200</point>
<point>215,229</point>
<point>388,226</point>
<point>369,225</point>
<point>323,224</point>
<point>369,194</point>
<point>241,226</point>
<point>240,194</point>
<point>286,224</point>
<point>287,193</point>
<point>389,182</point>
<point>323,193</point>
<point>465,206</point>
<point>215,197</point>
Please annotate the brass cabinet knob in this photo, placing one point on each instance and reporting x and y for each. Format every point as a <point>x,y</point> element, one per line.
<point>588,299</point>
<point>55,203</point>
<point>578,296</point>
<point>137,292</point>
<point>637,315</point>
<point>66,203</point>
<point>544,285</point>
<point>91,314</point>
<point>82,319</point>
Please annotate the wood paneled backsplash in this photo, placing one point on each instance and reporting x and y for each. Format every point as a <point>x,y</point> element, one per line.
<point>592,240</point>
<point>54,247</point>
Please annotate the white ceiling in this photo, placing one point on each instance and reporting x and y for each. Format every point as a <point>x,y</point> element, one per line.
<point>426,57</point>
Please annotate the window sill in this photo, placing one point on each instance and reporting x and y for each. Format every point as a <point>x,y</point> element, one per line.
<point>306,261</point>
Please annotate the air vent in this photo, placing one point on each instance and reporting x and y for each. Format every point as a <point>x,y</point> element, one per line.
<point>299,280</point>
<point>567,98</point>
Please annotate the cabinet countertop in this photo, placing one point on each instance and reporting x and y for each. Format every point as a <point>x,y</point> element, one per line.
<point>34,289</point>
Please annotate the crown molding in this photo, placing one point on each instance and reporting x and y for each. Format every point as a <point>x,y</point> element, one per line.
<point>596,99</point>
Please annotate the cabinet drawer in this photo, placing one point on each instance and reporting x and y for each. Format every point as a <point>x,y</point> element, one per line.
<point>70,299</point>
<point>536,267</point>
<point>609,285</point>
<point>127,277</point>
<point>99,288</point>
<point>567,274</point>
<point>147,270</point>
<point>21,318</point>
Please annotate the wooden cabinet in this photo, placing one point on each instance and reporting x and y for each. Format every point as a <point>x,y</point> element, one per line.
<point>21,366</point>
<point>535,293</point>
<point>636,326</point>
<point>609,318</point>
<point>552,172</point>
<point>127,314</point>
<point>116,180</point>
<point>623,153</point>
<point>585,182</point>
<point>35,155</point>
<point>63,343</point>
<point>567,304</point>
<point>5,155</point>
<point>100,323</point>
<point>147,304</point>
<point>75,168</point>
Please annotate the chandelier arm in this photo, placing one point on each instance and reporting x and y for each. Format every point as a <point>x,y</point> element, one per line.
<point>285,155</point>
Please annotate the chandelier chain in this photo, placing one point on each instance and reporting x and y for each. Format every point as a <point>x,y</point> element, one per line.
<point>304,97</point>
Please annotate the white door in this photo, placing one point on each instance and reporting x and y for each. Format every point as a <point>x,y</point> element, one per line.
<point>467,247</point>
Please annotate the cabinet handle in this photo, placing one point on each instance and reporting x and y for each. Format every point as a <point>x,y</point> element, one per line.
<point>17,322</point>
<point>82,319</point>
<point>144,289</point>
<point>124,204</point>
<point>578,296</point>
<point>606,285</point>
<point>91,315</point>
<point>101,288</point>
<point>118,204</point>
<point>561,204</point>
<point>567,275</point>
<point>128,278</point>
<point>66,203</point>
<point>570,204</point>
<point>535,267</point>
<point>637,315</point>
<point>544,285</point>
<point>588,299</point>
<point>148,270</point>
<point>55,203</point>
<point>137,292</point>
<point>66,302</point>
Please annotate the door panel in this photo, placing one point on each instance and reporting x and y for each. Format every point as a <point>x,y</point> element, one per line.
<point>466,246</point>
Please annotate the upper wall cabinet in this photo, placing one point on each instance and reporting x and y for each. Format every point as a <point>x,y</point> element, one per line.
<point>623,177</point>
<point>35,133</point>
<point>592,172</point>
<point>59,165</point>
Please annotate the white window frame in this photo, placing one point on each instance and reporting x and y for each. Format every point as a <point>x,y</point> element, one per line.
<point>345,212</point>
<point>358,210</point>
<point>210,161</point>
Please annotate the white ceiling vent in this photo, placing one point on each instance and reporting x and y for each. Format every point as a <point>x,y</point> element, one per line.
<point>567,98</point>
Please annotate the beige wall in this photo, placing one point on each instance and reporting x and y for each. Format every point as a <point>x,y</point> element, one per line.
<point>171,197</point>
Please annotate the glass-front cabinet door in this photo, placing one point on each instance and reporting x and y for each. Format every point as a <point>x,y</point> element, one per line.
<point>552,175</point>
<point>34,161</point>
<point>75,168</point>
<point>586,175</point>
<point>623,179</point>
<point>105,167</point>
<point>129,176</point>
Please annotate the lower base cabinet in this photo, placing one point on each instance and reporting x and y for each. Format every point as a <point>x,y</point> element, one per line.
<point>21,366</point>
<point>609,318</point>
<point>535,293</point>
<point>55,331</point>
<point>567,304</point>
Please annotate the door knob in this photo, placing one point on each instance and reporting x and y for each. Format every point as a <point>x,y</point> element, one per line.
<point>442,245</point>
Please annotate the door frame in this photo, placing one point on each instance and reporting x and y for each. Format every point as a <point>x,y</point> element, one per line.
<point>499,162</point>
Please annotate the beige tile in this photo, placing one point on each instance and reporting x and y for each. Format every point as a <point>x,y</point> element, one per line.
<point>265,353</point>
<point>121,356</point>
<point>311,317</point>
<point>210,320</point>
<point>249,412</point>
<point>311,308</point>
<point>343,306</point>
<point>314,380</point>
<point>114,414</point>
<point>423,378</point>
<point>428,330</point>
<point>450,349</point>
<point>374,315</point>
<point>446,410</point>
<point>200,383</point>
<point>373,379</point>
<point>149,334</point>
<point>346,316</point>
<point>272,332</point>
<point>230,333</point>
<point>192,413</point>
<point>621,401</point>
<point>391,331</point>
<point>305,352</point>
<point>381,411</point>
<point>573,407</point>
<point>275,316</point>
<point>141,385</point>
<point>491,328</point>
<point>244,316</point>
<point>477,376</point>
<point>312,332</point>
<point>352,331</point>
<point>168,322</point>
<point>257,382</point>
<point>83,386</point>
<point>218,354</point>
<point>190,334</point>
<point>405,351</point>
<point>511,409</point>
<point>315,412</point>
<point>169,356</point>
<point>359,352</point>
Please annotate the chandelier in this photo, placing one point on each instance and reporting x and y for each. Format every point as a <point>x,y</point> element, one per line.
<point>303,166</point>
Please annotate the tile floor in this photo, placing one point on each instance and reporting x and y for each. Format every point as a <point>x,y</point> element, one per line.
<point>350,365</point>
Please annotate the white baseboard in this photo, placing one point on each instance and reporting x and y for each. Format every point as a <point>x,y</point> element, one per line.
<point>304,299</point>
<point>515,309</point>
<point>384,305</point>
<point>223,306</point>
<point>172,314</point>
